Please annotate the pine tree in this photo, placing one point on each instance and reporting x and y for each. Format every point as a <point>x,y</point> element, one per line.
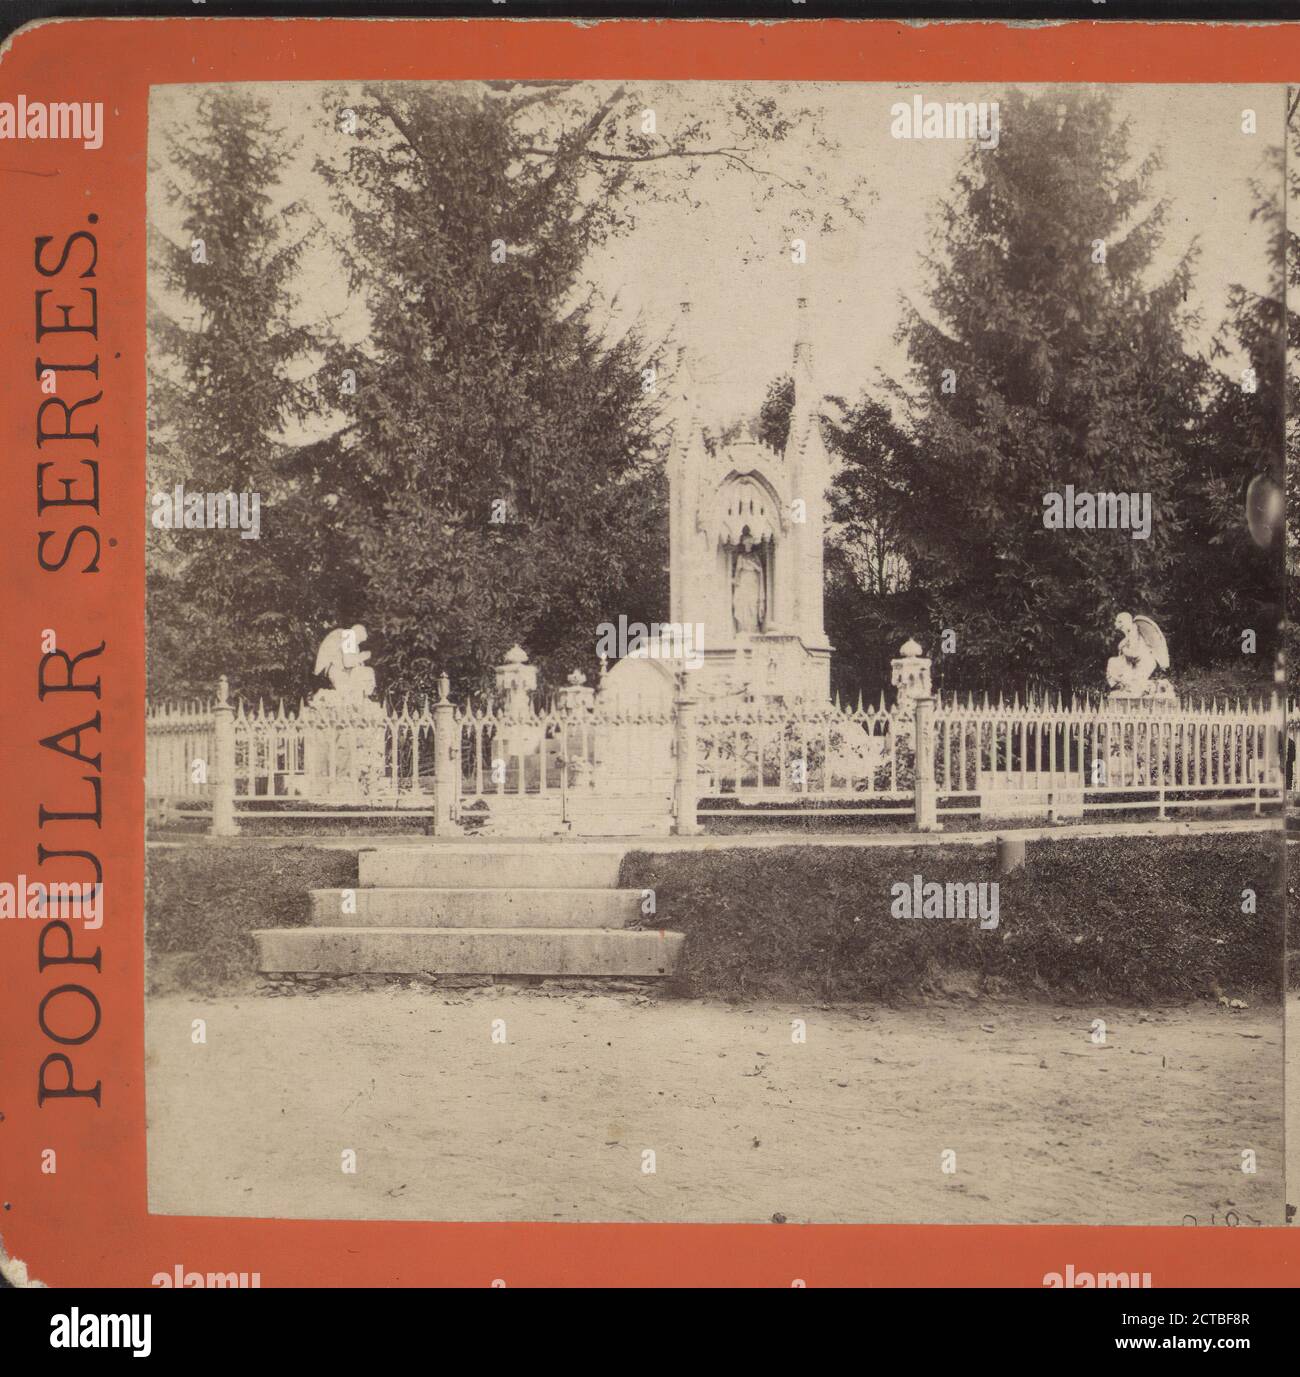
<point>485,464</point>
<point>223,349</point>
<point>1046,356</point>
<point>497,469</point>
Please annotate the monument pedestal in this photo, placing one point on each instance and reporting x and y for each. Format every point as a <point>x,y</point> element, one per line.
<point>1161,699</point>
<point>1131,753</point>
<point>763,667</point>
<point>344,749</point>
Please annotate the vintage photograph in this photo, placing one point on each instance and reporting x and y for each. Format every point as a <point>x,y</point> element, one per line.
<point>1291,411</point>
<point>716,652</point>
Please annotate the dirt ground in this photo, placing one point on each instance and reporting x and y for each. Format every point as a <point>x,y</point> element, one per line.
<point>744,1123</point>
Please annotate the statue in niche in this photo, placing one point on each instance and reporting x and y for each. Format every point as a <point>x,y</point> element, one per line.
<point>748,587</point>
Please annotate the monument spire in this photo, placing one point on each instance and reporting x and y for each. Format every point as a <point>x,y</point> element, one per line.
<point>685,360</point>
<point>802,345</point>
<point>683,482</point>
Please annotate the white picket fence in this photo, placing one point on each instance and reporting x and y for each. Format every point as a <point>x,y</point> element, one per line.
<point>929,759</point>
<point>1103,755</point>
<point>178,751</point>
<point>998,759</point>
<point>372,760</point>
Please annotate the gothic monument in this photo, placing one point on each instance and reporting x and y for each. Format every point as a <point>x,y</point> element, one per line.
<point>746,526</point>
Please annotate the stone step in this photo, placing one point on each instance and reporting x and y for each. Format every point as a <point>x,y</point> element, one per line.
<point>409,907</point>
<point>468,951</point>
<point>490,865</point>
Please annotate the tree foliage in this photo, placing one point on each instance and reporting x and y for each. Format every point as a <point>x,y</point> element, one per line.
<point>1226,584</point>
<point>1050,353</point>
<point>486,464</point>
<point>497,468</point>
<point>222,389</point>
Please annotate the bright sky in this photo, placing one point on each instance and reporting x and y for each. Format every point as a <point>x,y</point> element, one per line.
<point>729,255</point>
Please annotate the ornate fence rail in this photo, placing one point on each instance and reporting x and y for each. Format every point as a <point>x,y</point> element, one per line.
<point>179,748</point>
<point>1102,755</point>
<point>567,765</point>
<point>820,757</point>
<point>223,759</point>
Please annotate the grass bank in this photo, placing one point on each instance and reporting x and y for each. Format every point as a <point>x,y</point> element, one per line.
<point>1108,918</point>
<point>203,901</point>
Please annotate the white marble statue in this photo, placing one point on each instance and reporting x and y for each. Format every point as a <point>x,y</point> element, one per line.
<point>344,737</point>
<point>748,590</point>
<point>341,659</point>
<point>1141,652</point>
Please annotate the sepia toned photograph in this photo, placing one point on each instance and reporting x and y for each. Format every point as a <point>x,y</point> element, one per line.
<point>716,652</point>
<point>1291,411</point>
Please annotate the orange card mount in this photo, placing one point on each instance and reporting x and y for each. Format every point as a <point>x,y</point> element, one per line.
<point>75,164</point>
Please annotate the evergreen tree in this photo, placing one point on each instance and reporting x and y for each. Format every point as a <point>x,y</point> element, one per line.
<point>1046,357</point>
<point>486,464</point>
<point>497,471</point>
<point>872,605</point>
<point>223,350</point>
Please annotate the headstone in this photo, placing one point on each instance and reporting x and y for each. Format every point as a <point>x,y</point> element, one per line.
<point>1131,671</point>
<point>518,737</point>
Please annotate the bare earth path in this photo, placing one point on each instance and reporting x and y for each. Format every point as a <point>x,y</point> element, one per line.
<point>744,1123</point>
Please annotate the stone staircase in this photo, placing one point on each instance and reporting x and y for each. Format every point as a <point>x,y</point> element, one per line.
<point>476,909</point>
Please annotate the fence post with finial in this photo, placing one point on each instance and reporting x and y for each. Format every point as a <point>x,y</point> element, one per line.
<point>446,761</point>
<point>223,773</point>
<point>686,821</point>
<point>927,819</point>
